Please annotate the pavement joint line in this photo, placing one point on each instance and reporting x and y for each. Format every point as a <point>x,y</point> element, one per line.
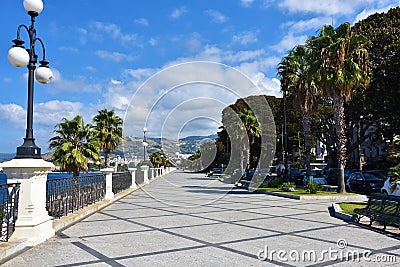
<point>169,228</point>
<point>206,243</point>
<point>272,215</point>
<point>286,206</point>
<point>241,220</point>
<point>98,255</point>
<point>280,233</point>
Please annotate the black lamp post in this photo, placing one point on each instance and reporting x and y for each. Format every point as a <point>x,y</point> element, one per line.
<point>19,57</point>
<point>284,139</point>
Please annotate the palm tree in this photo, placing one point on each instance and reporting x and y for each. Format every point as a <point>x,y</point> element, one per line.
<point>341,65</point>
<point>158,159</point>
<point>109,132</point>
<point>252,128</point>
<point>74,144</point>
<point>296,81</point>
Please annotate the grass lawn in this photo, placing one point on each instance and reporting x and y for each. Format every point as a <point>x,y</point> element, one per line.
<point>302,192</point>
<point>348,207</point>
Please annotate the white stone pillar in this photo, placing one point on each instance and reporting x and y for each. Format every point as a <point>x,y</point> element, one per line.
<point>133,175</point>
<point>145,170</point>
<point>33,221</point>
<point>109,193</point>
<point>152,174</point>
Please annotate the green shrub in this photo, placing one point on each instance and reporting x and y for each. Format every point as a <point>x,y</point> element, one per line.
<point>312,188</point>
<point>275,183</point>
<point>297,165</point>
<point>288,186</point>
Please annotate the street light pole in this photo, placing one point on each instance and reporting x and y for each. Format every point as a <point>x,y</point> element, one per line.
<point>144,144</point>
<point>20,57</point>
<point>286,173</point>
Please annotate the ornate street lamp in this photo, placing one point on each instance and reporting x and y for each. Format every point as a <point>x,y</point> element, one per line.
<point>145,144</point>
<point>19,57</point>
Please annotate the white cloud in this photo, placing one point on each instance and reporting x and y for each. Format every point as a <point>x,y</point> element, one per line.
<point>331,7</point>
<point>245,38</point>
<point>142,21</point>
<point>83,33</point>
<point>301,26</point>
<point>47,114</point>
<point>194,43</point>
<point>12,113</point>
<point>114,31</point>
<point>52,112</point>
<point>178,12</point>
<point>288,42</point>
<point>91,68</point>
<point>382,7</point>
<point>68,49</point>
<point>114,56</point>
<point>246,3</point>
<point>138,74</point>
<point>296,32</point>
<point>59,84</point>
<point>115,82</point>
<point>117,96</point>
<point>153,41</point>
<point>216,16</point>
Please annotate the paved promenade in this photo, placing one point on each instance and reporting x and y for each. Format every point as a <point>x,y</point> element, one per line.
<point>185,219</point>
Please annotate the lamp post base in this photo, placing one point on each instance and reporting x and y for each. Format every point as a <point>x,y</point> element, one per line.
<point>28,150</point>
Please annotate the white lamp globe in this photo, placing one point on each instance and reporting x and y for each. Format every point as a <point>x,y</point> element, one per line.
<point>44,75</point>
<point>18,56</point>
<point>144,129</point>
<point>33,5</point>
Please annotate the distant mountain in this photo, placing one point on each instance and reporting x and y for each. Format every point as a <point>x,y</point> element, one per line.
<point>199,138</point>
<point>6,156</point>
<point>133,146</point>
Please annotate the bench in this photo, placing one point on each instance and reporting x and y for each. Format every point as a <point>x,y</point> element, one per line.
<point>329,188</point>
<point>381,208</point>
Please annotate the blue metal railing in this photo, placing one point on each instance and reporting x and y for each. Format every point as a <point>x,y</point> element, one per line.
<point>9,197</point>
<point>66,195</point>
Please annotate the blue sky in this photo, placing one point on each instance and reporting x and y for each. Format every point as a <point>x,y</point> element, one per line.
<point>102,51</point>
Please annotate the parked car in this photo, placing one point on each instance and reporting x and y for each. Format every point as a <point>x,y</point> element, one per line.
<point>365,182</point>
<point>296,176</point>
<point>317,177</point>
<point>391,188</point>
<point>215,172</point>
<point>332,175</point>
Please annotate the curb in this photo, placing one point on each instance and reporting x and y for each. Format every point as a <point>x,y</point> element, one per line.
<point>338,213</point>
<point>341,198</point>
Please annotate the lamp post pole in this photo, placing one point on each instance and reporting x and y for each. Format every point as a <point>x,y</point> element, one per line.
<point>284,139</point>
<point>19,57</point>
<point>144,144</point>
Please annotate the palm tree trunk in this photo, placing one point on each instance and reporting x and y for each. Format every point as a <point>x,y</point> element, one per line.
<point>107,159</point>
<point>338,110</point>
<point>307,145</point>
